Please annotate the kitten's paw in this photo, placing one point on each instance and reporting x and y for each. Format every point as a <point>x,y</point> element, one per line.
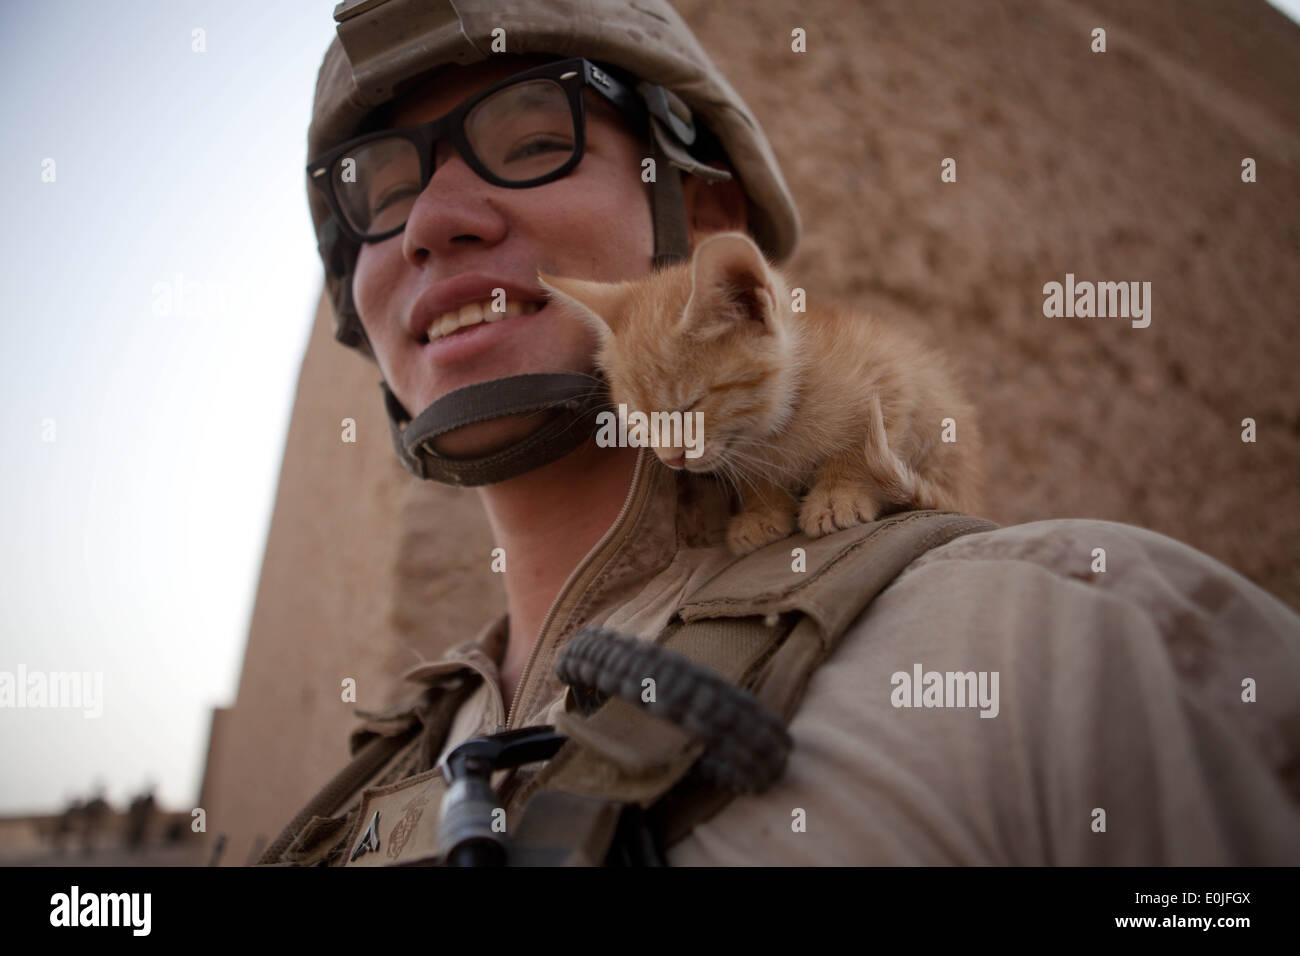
<point>830,508</point>
<point>750,530</point>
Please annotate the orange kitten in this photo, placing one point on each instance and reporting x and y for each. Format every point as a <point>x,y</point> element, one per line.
<point>828,403</point>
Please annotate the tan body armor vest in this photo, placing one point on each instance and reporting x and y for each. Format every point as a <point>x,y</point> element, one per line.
<point>759,624</point>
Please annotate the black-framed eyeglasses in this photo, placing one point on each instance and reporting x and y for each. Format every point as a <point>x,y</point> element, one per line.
<point>527,130</point>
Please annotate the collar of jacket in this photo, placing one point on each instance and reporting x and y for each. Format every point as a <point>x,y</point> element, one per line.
<point>669,537</point>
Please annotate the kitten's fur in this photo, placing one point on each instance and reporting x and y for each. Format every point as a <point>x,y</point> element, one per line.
<point>828,401</point>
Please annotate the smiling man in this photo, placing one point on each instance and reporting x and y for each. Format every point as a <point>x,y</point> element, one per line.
<point>647,696</point>
<point>463,239</point>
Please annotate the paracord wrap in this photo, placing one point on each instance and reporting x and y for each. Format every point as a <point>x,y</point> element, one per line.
<point>747,744</point>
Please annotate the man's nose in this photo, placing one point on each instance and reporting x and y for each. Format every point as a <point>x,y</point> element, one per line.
<point>453,206</point>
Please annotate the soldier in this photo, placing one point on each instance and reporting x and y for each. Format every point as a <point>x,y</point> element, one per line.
<point>67,824</point>
<point>139,816</point>
<point>648,697</point>
<point>95,814</point>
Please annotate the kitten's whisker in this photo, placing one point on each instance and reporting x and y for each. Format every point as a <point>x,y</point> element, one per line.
<point>734,467</point>
<point>728,480</point>
<point>723,468</point>
<point>600,382</point>
<point>759,460</point>
<point>726,472</point>
<point>763,462</point>
<point>792,474</point>
<point>753,442</point>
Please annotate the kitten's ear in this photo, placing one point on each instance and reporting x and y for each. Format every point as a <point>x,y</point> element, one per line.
<point>599,304</point>
<point>730,285</point>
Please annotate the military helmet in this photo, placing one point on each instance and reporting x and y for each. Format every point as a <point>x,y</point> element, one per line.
<point>383,47</point>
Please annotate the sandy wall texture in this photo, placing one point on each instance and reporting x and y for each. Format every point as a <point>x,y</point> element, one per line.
<point>1118,166</point>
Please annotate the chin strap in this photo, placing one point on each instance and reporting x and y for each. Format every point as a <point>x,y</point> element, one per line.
<point>672,242</point>
<point>576,398</point>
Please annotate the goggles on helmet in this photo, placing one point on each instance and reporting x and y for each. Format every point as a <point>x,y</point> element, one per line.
<point>524,131</point>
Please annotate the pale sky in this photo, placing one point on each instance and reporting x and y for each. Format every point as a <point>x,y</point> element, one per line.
<point>132,541</point>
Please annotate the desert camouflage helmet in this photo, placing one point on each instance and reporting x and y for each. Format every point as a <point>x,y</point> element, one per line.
<point>383,47</point>
<point>383,43</point>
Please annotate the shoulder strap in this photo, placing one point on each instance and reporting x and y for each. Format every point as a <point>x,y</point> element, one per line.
<point>764,623</point>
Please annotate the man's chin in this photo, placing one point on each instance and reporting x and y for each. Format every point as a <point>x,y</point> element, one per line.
<point>486,438</point>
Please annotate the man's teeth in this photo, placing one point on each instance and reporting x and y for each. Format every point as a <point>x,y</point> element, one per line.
<point>476,312</point>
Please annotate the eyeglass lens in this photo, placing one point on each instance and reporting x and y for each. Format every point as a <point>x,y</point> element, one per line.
<point>518,134</point>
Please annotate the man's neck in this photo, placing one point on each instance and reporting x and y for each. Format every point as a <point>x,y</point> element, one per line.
<point>547,520</point>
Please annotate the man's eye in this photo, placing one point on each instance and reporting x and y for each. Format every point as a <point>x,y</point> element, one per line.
<point>539,145</point>
<point>392,197</point>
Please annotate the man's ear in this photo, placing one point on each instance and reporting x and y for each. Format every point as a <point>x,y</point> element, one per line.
<point>598,304</point>
<point>714,206</point>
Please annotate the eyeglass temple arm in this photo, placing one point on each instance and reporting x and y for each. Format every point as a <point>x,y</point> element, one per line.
<point>647,96</point>
<point>657,102</point>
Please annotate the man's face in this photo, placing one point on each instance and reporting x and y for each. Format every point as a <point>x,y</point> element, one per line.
<point>593,223</point>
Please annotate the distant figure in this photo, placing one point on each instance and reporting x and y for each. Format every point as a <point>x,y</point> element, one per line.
<point>93,815</point>
<point>67,824</point>
<point>138,818</point>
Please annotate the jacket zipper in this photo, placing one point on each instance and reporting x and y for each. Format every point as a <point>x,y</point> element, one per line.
<point>638,481</point>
